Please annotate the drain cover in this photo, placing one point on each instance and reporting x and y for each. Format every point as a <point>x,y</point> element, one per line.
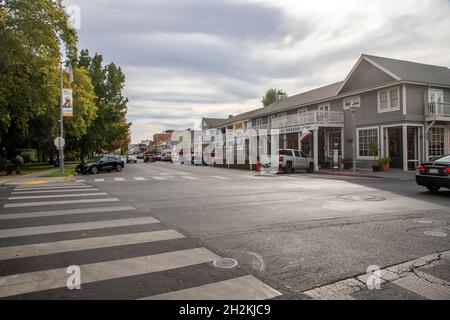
<point>225,263</point>
<point>361,198</point>
<point>436,233</point>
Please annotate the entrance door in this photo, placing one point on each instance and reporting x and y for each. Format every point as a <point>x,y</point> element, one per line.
<point>395,147</point>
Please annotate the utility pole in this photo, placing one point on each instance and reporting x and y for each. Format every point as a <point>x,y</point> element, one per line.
<point>61,117</point>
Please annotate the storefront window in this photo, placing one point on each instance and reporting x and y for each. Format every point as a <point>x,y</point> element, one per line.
<point>367,139</point>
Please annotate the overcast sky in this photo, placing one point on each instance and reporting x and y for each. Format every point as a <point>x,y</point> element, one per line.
<point>185,59</point>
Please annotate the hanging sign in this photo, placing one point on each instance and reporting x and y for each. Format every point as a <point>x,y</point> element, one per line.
<point>67,102</point>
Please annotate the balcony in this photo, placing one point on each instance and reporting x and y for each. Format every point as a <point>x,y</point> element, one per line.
<point>320,118</point>
<point>437,111</point>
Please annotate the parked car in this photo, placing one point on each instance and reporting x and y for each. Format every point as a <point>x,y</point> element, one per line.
<point>166,157</point>
<point>105,163</point>
<point>149,158</point>
<point>158,157</point>
<point>131,159</point>
<point>434,175</point>
<point>290,160</point>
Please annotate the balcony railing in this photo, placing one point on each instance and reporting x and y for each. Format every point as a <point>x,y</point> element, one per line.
<point>438,109</point>
<point>315,117</point>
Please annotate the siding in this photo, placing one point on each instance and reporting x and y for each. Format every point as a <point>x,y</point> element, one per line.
<point>366,76</point>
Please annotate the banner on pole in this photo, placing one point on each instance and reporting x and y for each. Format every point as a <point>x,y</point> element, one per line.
<point>67,102</point>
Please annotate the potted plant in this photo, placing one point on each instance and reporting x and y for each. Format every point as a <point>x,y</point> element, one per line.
<point>373,152</point>
<point>384,163</point>
<point>347,162</point>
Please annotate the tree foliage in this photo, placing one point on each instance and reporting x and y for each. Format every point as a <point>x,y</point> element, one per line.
<point>31,33</point>
<point>271,96</point>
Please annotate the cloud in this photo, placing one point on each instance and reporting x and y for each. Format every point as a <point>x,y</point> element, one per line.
<point>185,59</point>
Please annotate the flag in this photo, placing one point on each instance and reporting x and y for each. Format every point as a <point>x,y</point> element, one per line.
<point>305,134</point>
<point>69,71</point>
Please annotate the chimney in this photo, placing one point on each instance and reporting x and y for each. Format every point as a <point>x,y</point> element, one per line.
<point>230,116</point>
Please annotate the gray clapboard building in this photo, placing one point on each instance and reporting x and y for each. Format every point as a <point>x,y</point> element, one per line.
<point>401,110</point>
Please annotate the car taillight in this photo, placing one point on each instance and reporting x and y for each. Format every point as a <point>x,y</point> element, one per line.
<point>446,170</point>
<point>281,159</point>
<point>421,169</point>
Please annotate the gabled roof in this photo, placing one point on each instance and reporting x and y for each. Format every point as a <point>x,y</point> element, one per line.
<point>402,70</point>
<point>213,122</point>
<point>413,71</point>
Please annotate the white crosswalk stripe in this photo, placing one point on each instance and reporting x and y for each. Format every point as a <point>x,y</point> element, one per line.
<point>59,196</point>
<point>119,179</point>
<point>99,180</point>
<point>52,191</point>
<point>87,243</point>
<point>190,178</point>
<point>220,177</point>
<point>48,203</point>
<point>242,288</point>
<point>105,243</point>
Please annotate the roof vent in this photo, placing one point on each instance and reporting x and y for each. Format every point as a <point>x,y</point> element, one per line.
<point>230,116</point>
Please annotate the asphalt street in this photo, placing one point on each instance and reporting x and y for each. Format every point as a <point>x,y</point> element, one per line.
<point>294,236</point>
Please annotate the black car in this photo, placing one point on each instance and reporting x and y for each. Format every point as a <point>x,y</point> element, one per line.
<point>105,163</point>
<point>434,175</point>
<point>149,158</point>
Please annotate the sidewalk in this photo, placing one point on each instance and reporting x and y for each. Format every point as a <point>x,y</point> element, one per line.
<point>391,174</point>
<point>34,178</point>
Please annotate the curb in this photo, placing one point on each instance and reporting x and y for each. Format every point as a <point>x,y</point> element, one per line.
<point>360,175</point>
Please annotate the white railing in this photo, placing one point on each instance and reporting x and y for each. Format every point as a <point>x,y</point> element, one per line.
<point>441,109</point>
<point>315,117</point>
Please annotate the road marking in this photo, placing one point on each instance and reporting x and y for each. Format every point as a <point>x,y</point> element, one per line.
<point>119,179</point>
<point>139,178</point>
<point>56,278</point>
<point>53,191</point>
<point>53,188</point>
<point>29,231</point>
<point>49,203</point>
<point>43,196</point>
<point>190,178</point>
<point>159,178</point>
<point>80,180</point>
<point>64,212</point>
<point>87,243</point>
<point>99,180</point>
<point>219,177</point>
<point>242,288</point>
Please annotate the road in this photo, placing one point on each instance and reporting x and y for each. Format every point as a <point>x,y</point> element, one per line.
<point>296,236</point>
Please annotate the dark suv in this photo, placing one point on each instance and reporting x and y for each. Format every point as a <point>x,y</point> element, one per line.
<point>105,163</point>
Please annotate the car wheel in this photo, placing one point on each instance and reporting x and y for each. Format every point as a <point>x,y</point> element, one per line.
<point>94,170</point>
<point>433,188</point>
<point>118,168</point>
<point>288,168</point>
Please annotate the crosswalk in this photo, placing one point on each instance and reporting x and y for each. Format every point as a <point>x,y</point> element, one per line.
<point>172,177</point>
<point>120,252</point>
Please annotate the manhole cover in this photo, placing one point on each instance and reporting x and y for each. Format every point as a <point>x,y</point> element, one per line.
<point>361,198</point>
<point>436,233</point>
<point>225,263</point>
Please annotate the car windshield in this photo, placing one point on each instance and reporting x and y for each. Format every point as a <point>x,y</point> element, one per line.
<point>93,160</point>
<point>444,159</point>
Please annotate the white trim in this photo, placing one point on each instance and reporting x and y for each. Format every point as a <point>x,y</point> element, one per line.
<point>363,57</point>
<point>405,147</point>
<point>358,157</point>
<point>388,95</point>
<point>430,90</point>
<point>401,124</point>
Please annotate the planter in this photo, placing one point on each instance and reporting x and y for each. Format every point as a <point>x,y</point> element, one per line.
<point>376,168</point>
<point>386,167</point>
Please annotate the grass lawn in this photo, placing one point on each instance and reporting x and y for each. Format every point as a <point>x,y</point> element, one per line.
<point>38,167</point>
<point>68,171</point>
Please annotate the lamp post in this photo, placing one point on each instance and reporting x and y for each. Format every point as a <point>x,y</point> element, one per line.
<point>61,118</point>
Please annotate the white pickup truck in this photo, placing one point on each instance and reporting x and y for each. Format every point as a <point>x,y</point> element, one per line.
<point>290,160</point>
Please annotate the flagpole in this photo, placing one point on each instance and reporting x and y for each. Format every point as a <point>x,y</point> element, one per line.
<point>61,117</point>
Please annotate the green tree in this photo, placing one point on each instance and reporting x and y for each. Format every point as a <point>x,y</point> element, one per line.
<point>271,96</point>
<point>31,34</point>
<point>109,130</point>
